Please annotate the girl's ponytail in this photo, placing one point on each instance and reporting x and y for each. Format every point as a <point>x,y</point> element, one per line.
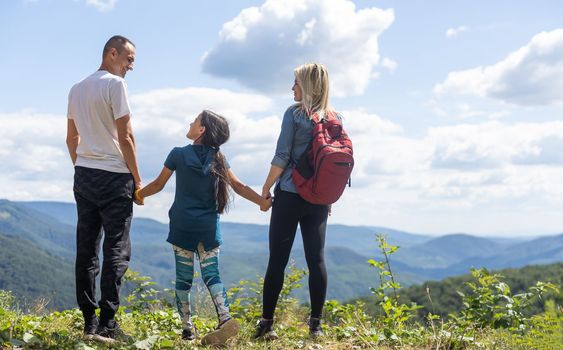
<point>222,189</point>
<point>217,133</point>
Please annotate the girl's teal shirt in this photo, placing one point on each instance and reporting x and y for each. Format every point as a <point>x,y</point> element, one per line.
<point>193,215</point>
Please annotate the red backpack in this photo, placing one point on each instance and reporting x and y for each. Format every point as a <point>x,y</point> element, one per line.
<point>324,169</point>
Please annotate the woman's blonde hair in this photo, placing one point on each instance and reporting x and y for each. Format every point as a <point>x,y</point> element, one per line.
<point>313,80</point>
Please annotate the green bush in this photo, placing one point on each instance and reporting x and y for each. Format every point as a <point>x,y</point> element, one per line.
<point>492,318</point>
<point>490,302</point>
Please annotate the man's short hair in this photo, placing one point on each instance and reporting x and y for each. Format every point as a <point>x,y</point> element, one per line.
<point>118,42</point>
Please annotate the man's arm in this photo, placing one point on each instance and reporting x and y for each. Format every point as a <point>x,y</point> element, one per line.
<point>72,139</point>
<point>127,145</point>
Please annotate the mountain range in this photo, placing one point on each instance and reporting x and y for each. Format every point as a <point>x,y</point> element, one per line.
<point>47,231</point>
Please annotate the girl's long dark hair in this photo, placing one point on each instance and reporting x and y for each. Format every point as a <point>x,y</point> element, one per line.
<point>217,133</point>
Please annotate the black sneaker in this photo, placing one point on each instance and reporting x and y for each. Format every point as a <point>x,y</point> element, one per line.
<point>111,333</point>
<point>265,330</point>
<point>90,327</point>
<point>189,332</point>
<point>315,328</point>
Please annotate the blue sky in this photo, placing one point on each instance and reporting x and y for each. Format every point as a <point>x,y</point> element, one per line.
<point>454,107</point>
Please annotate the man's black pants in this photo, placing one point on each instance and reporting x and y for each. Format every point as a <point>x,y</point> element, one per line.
<point>104,200</point>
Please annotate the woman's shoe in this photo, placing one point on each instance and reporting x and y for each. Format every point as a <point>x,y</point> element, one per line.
<point>265,330</point>
<point>315,328</point>
<point>189,332</point>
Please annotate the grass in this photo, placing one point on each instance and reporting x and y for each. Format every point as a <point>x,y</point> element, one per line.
<point>492,319</point>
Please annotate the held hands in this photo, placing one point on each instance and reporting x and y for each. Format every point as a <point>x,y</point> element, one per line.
<point>137,199</point>
<point>266,204</point>
<point>268,200</point>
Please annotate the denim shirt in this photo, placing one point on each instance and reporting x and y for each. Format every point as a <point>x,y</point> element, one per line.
<point>295,136</point>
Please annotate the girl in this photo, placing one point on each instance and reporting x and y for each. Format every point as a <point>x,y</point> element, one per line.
<point>203,178</point>
<point>310,91</point>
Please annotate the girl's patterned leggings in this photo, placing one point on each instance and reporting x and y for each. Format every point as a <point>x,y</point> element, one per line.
<point>209,262</point>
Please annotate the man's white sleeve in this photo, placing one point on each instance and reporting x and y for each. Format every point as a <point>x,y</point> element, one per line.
<point>119,100</point>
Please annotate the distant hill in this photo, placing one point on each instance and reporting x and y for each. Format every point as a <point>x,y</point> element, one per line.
<point>543,250</point>
<point>358,238</point>
<point>30,272</point>
<point>51,226</point>
<point>444,251</point>
<point>64,212</point>
<point>46,231</point>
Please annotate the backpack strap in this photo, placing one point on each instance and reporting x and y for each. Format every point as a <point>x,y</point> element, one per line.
<point>328,116</point>
<point>315,118</point>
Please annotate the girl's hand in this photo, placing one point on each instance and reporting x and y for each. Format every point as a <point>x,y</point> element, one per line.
<point>137,198</point>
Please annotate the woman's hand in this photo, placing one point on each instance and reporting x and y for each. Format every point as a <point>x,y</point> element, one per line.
<point>266,204</point>
<point>266,193</point>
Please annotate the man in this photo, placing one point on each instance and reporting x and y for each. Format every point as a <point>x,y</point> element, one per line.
<point>102,148</point>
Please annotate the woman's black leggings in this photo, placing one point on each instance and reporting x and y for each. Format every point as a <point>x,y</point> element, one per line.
<point>288,210</point>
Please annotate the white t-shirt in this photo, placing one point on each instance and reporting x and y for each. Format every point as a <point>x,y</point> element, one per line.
<point>94,104</point>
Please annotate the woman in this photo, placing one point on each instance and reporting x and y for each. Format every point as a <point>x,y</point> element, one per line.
<point>310,91</point>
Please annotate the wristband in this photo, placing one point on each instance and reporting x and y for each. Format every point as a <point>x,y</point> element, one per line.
<point>138,197</point>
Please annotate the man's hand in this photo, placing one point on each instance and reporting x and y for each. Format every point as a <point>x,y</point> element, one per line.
<point>137,199</point>
<point>72,140</point>
<point>127,146</point>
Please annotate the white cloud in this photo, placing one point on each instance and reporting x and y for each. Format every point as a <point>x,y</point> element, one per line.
<point>453,32</point>
<point>467,110</point>
<point>531,75</point>
<point>102,5</point>
<point>161,119</point>
<point>262,45</point>
<point>494,144</point>
<point>376,147</point>
<point>448,179</point>
<point>35,162</point>
<point>545,150</point>
<point>389,64</point>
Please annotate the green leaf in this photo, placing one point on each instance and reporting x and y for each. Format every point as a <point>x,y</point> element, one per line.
<point>166,343</point>
<point>29,338</point>
<point>16,342</point>
<point>146,344</point>
<point>82,346</point>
